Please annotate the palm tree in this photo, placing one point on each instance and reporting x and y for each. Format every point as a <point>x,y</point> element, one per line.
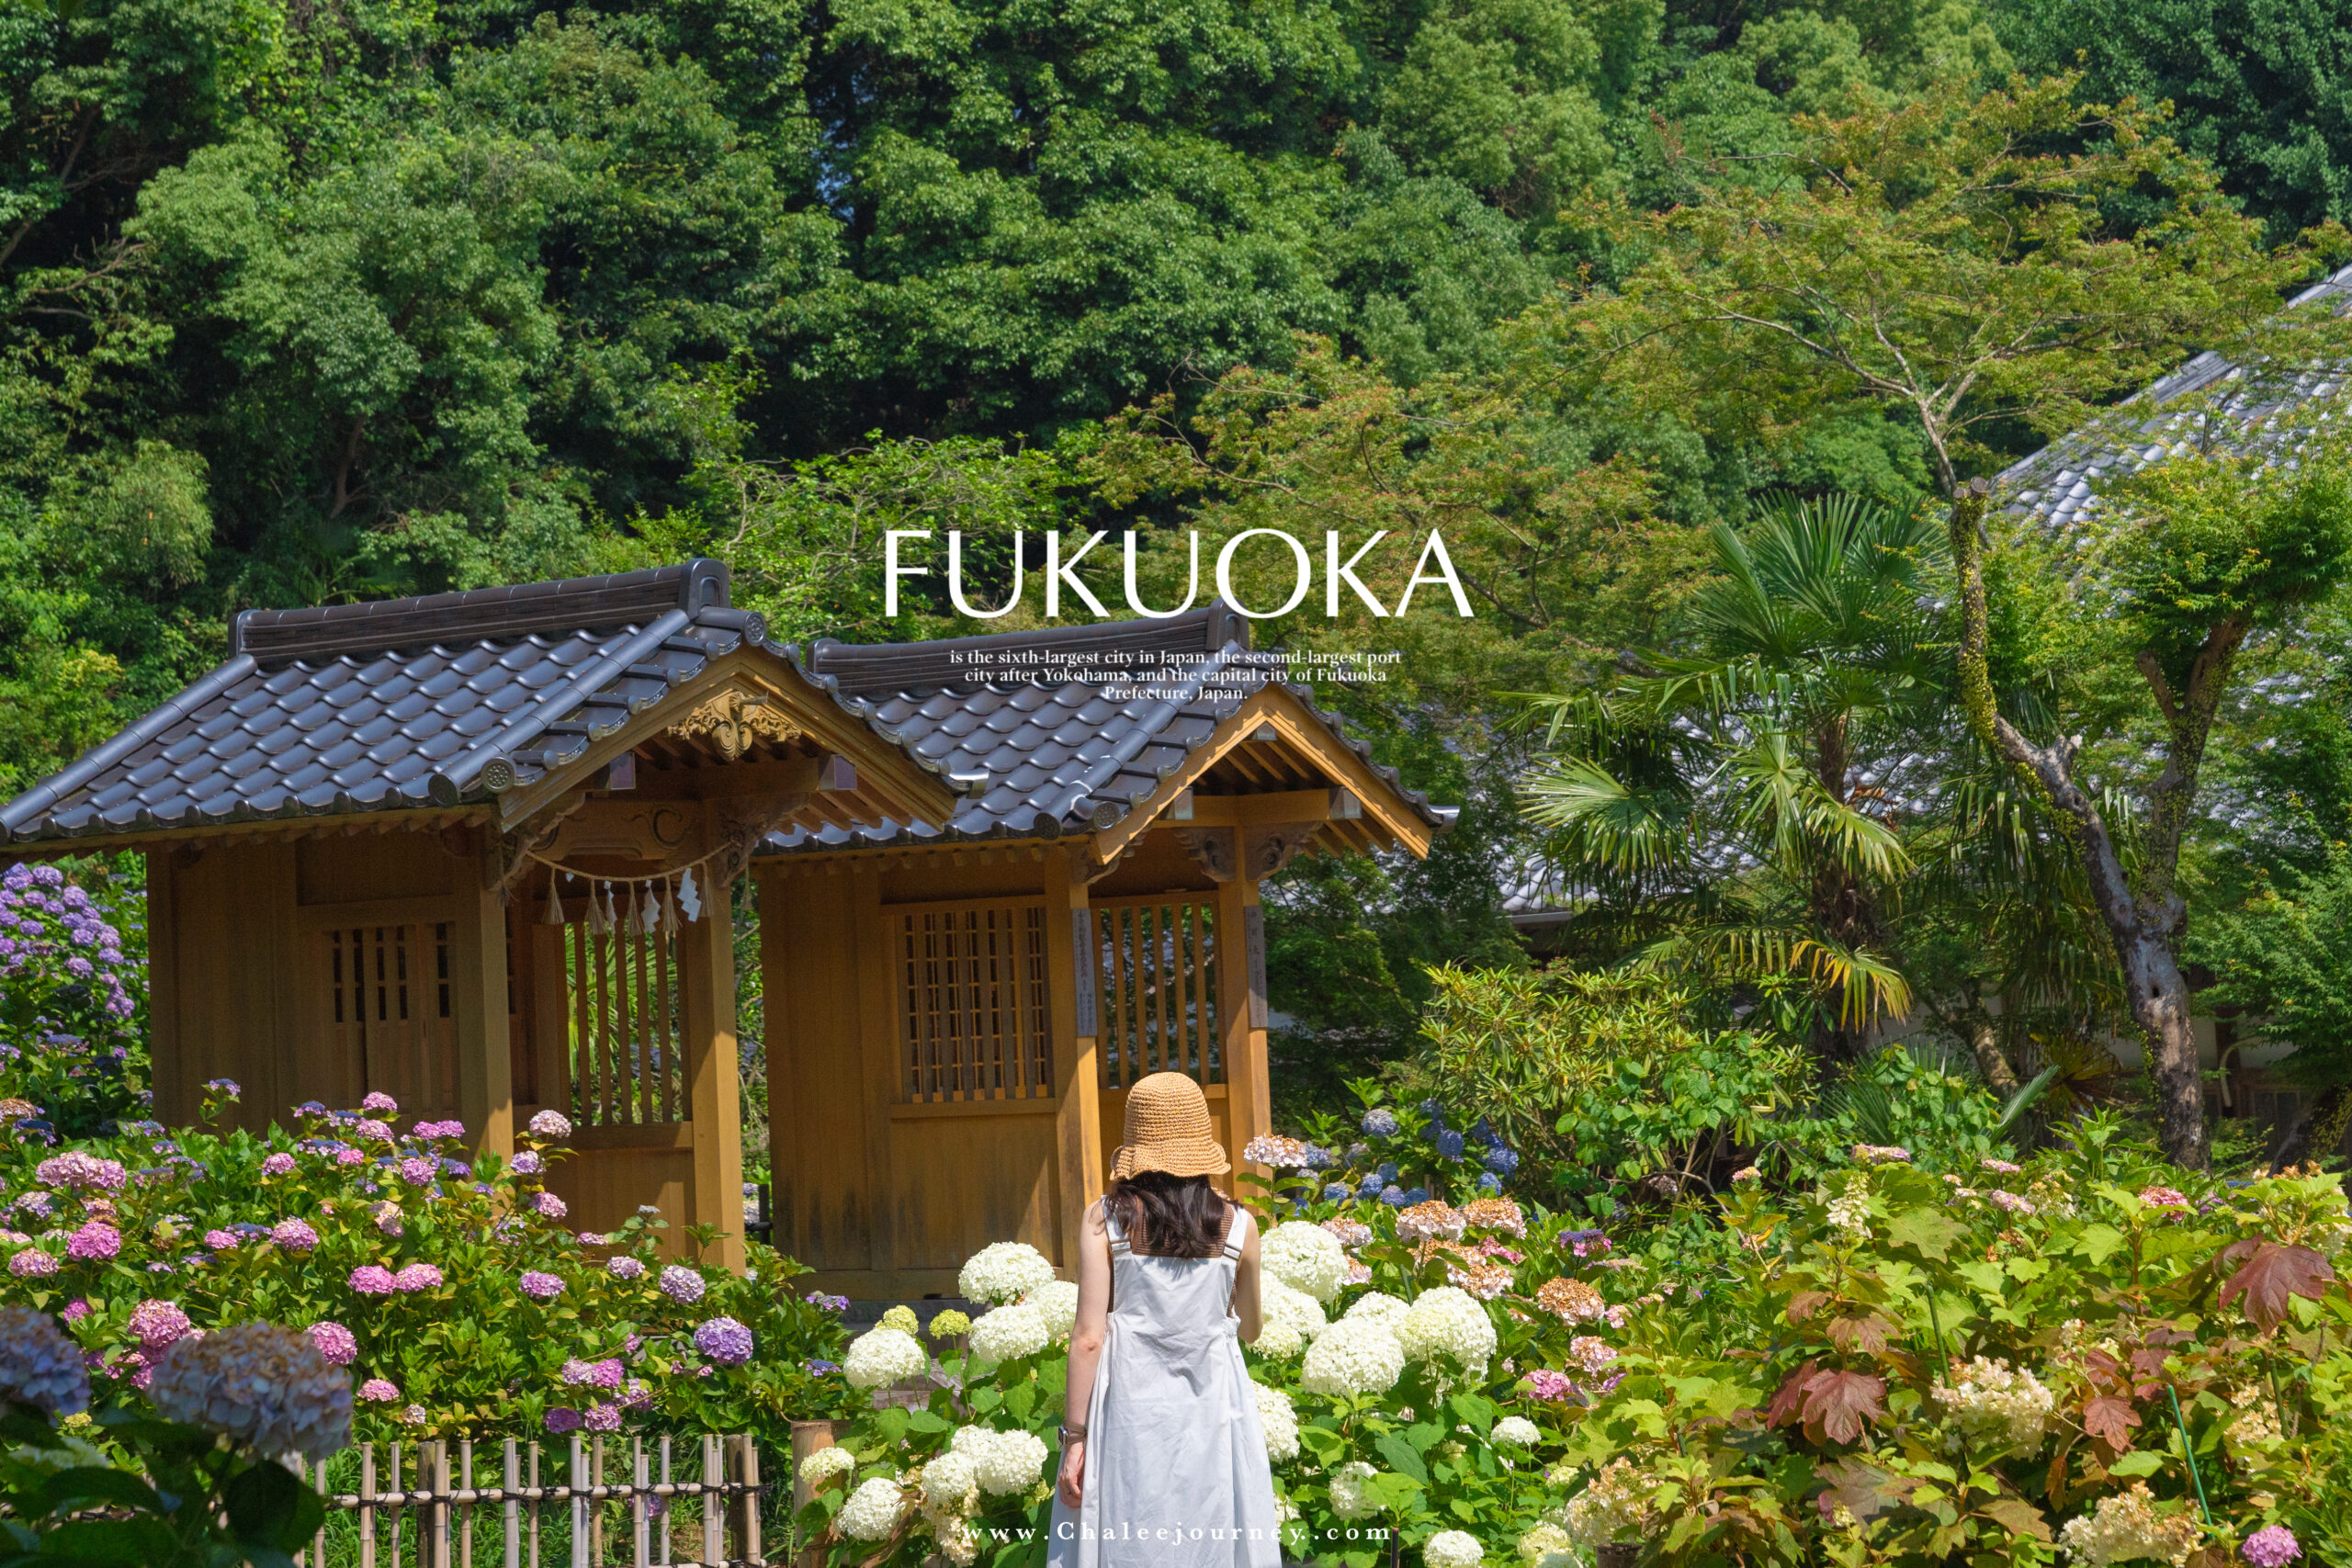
<point>1737,805</point>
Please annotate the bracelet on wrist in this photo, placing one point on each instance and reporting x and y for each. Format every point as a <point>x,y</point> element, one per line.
<point>1072,1435</point>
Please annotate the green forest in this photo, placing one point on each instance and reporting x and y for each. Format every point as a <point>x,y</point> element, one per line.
<point>1684,320</point>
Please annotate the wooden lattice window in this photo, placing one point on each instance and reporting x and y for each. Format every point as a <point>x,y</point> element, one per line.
<point>972,1000</point>
<point>627,1028</point>
<point>389,1010</point>
<point>1158,965</point>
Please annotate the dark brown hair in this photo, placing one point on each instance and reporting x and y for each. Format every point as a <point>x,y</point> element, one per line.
<point>1168,1216</point>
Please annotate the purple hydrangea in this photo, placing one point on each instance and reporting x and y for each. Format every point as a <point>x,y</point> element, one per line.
<point>528,1163</point>
<point>381,1104</point>
<point>682,1284</point>
<point>824,1303</point>
<point>549,1205</point>
<point>32,1263</point>
<point>336,1342</point>
<point>606,1373</point>
<point>417,1277</point>
<point>278,1164</point>
<point>40,1365</point>
<point>94,1243</point>
<point>81,1171</point>
<point>380,1391</point>
<point>550,1124</point>
<point>430,1131</point>
<point>373,1279</point>
<point>294,1235</point>
<point>603,1418</point>
<point>156,1325</point>
<point>2273,1546</point>
<point>225,1088</point>
<point>418,1171</point>
<point>370,1129</point>
<point>724,1341</point>
<point>625,1267</point>
<point>540,1287</point>
<point>563,1418</point>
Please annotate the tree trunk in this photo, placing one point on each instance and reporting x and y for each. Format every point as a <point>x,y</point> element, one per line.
<point>2319,1131</point>
<point>1991,1061</point>
<point>2160,1006</point>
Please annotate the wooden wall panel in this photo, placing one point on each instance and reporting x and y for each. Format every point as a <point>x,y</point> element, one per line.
<point>603,1187</point>
<point>961,1180</point>
<point>234,958</point>
<point>373,865</point>
<point>820,1193</point>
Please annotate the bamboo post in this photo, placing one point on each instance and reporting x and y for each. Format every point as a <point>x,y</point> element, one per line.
<point>747,1476</point>
<point>641,1545</point>
<point>512,1507</point>
<point>534,1506</point>
<point>319,1541</point>
<point>400,1501</point>
<point>466,1510</point>
<point>596,1506</point>
<point>366,1506</point>
<point>711,1544</point>
<point>669,1518</point>
<point>432,1477</point>
<point>578,1495</point>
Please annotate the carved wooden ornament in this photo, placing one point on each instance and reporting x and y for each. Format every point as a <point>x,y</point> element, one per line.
<point>734,720</point>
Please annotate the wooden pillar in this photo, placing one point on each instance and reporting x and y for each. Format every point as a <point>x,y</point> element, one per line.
<point>477,992</point>
<point>1241,1012</point>
<point>879,1061</point>
<point>1072,961</point>
<point>706,1005</point>
<point>164,1045</point>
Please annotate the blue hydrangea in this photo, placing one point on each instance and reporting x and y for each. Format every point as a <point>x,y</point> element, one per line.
<point>1393,1196</point>
<point>1481,1134</point>
<point>1370,1186</point>
<point>1380,1124</point>
<point>1337,1192</point>
<point>1435,1112</point>
<point>1314,1157</point>
<point>1387,1171</point>
<point>1489,1182</point>
<point>1415,1195</point>
<point>1449,1146</point>
<point>1502,1160</point>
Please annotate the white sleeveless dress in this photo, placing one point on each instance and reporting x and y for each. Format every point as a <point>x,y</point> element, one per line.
<point>1176,1472</point>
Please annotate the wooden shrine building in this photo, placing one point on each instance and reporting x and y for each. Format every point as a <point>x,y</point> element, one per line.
<point>476,851</point>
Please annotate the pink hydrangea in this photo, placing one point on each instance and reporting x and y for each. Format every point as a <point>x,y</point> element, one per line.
<point>417,1277</point>
<point>625,1266</point>
<point>336,1343</point>
<point>94,1243</point>
<point>32,1263</point>
<point>278,1164</point>
<point>2163,1199</point>
<point>373,1279</point>
<point>221,1241</point>
<point>606,1373</point>
<point>1545,1383</point>
<point>540,1287</point>
<point>83,1172</point>
<point>156,1325</point>
<point>416,1171</point>
<point>2273,1546</point>
<point>603,1418</point>
<point>549,1205</point>
<point>294,1235</point>
<point>432,1130</point>
<point>348,1156</point>
<point>372,1131</point>
<point>77,1310</point>
<point>382,1104</point>
<point>552,1124</point>
<point>380,1391</point>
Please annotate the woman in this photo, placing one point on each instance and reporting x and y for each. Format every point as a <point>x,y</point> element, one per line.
<point>1163,1460</point>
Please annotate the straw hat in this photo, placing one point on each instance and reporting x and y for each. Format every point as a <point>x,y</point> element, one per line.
<point>1168,1129</point>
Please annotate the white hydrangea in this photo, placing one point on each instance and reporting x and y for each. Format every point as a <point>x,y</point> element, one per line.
<point>1003,1462</point>
<point>825,1463</point>
<point>1452,1549</point>
<point>902,1316</point>
<point>1280,1422</point>
<point>1349,1499</point>
<point>2126,1526</point>
<point>1279,1339</point>
<point>1057,1300</point>
<point>951,1483</point>
<point>1355,1355</point>
<point>1004,1333</point>
<point>1279,1302</point>
<point>1613,1508</point>
<point>872,1511</point>
<point>1517,1432</point>
<point>881,1357</point>
<point>1991,1398</point>
<point>958,1542</point>
<point>1378,1306</point>
<point>1305,1256</point>
<point>1003,1272</point>
<point>1448,1321</point>
<point>1547,1546</point>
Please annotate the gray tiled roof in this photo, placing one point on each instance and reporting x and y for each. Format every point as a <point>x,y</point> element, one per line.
<point>401,703</point>
<point>2058,484</point>
<point>1054,756</point>
<point>411,703</point>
